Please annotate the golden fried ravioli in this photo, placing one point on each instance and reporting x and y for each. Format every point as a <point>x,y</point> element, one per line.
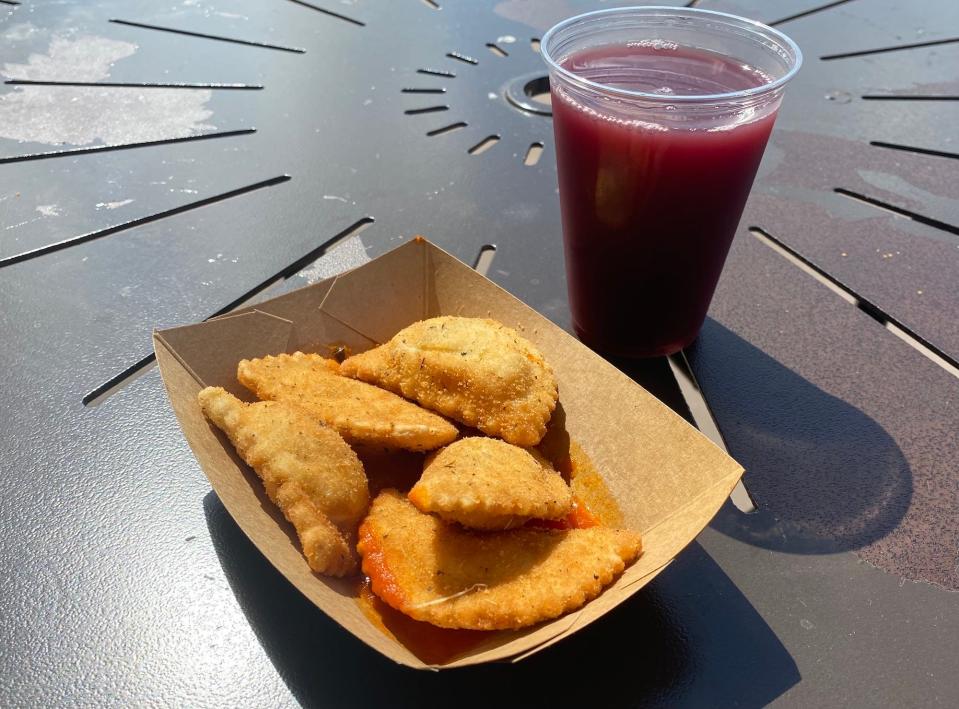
<point>485,483</point>
<point>456,578</point>
<point>476,371</point>
<point>308,471</point>
<point>360,412</point>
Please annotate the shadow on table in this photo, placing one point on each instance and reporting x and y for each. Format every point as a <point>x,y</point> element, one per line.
<point>655,376</point>
<point>825,477</point>
<point>689,638</point>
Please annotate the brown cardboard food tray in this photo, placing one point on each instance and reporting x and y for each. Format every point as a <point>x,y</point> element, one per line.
<point>668,479</point>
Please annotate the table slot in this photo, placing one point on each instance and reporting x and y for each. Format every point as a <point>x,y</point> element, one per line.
<point>262,290</point>
<point>109,231</point>
<point>214,37</point>
<point>125,146</point>
<point>330,13</point>
<point>484,145</point>
<point>901,331</point>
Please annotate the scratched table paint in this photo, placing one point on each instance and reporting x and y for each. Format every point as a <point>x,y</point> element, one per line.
<point>161,164</point>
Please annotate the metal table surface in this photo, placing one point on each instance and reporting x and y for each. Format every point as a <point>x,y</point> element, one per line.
<point>163,163</point>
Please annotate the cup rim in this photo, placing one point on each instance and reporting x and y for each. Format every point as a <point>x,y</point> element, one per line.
<point>756,26</point>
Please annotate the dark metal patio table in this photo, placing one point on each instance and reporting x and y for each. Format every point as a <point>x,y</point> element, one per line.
<point>165,163</point>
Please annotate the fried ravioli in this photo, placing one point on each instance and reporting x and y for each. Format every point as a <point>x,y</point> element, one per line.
<point>485,483</point>
<point>308,471</point>
<point>455,578</point>
<point>476,371</point>
<point>363,414</point>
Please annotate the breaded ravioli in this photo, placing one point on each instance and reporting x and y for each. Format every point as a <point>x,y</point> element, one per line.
<point>455,578</point>
<point>361,413</point>
<point>308,471</point>
<point>473,370</point>
<point>485,483</point>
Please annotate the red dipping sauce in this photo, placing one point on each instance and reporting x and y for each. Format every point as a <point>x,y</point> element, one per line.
<point>652,193</point>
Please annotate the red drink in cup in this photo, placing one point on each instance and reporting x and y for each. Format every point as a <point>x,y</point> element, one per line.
<point>661,116</point>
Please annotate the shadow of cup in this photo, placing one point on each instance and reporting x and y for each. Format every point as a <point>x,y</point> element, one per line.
<point>825,477</point>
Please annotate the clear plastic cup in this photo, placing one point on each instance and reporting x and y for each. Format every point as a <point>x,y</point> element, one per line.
<point>661,116</point>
